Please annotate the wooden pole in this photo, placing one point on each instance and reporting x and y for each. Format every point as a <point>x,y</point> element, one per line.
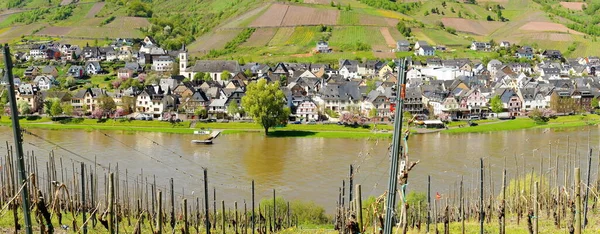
<point>235,226</point>
<point>462,207</point>
<point>359,213</point>
<point>223,215</point>
<point>111,203</point>
<point>159,221</point>
<point>274,212</point>
<point>577,201</point>
<point>172,204</point>
<point>186,227</point>
<point>428,202</point>
<point>536,207</point>
<point>481,213</point>
<point>253,217</point>
<point>83,206</point>
<point>503,204</point>
<point>206,221</point>
<point>587,190</point>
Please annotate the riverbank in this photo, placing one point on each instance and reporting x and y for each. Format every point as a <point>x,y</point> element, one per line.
<point>561,122</point>
<point>379,131</point>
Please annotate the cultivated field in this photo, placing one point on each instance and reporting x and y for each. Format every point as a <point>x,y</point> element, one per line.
<point>303,36</point>
<point>95,9</point>
<point>55,31</point>
<point>552,37</point>
<point>260,37</point>
<point>104,32</point>
<point>377,21</point>
<point>577,6</point>
<point>385,32</point>
<point>547,27</point>
<point>212,41</point>
<point>472,26</point>
<point>285,15</point>
<point>281,36</point>
<point>272,17</point>
<point>18,31</point>
<point>323,2</point>
<point>354,34</point>
<point>245,19</point>
<point>300,15</point>
<point>128,22</point>
<point>348,18</point>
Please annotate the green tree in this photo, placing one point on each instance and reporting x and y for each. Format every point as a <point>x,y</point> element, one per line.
<point>24,107</point>
<point>107,104</point>
<point>199,76</point>
<point>233,108</point>
<point>373,113</point>
<point>207,77</point>
<point>152,79</point>
<point>3,98</point>
<point>56,109</point>
<point>248,73</point>
<point>496,104</point>
<point>489,18</point>
<point>225,75</point>
<point>265,103</point>
<point>67,108</point>
<point>48,103</point>
<point>201,112</point>
<point>595,103</point>
<point>371,85</point>
<point>283,79</point>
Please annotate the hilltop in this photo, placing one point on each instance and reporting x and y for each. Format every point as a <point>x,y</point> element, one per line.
<point>262,30</point>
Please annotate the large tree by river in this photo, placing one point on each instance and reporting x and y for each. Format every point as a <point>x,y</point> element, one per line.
<point>265,103</point>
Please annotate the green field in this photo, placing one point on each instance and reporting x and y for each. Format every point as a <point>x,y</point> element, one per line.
<point>526,123</point>
<point>348,18</point>
<point>303,36</point>
<point>353,34</point>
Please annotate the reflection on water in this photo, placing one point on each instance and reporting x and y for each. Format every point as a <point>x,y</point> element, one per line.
<point>305,168</point>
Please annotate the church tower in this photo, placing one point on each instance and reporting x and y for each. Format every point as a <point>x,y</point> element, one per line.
<point>183,60</point>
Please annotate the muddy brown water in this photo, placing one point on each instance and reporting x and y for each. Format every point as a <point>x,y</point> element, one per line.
<point>306,168</point>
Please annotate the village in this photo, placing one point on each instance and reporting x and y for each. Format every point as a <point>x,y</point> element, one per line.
<point>152,83</point>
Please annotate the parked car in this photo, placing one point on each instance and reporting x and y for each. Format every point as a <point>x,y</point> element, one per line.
<point>474,117</point>
<point>211,120</point>
<point>297,122</point>
<point>311,122</point>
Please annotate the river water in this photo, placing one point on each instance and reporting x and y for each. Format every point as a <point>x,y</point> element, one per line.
<point>305,168</point>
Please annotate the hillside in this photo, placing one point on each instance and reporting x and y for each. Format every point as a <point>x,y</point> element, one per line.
<point>269,30</point>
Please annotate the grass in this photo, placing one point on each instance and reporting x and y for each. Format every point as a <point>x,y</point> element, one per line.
<point>348,18</point>
<point>526,123</point>
<point>303,36</point>
<point>354,34</point>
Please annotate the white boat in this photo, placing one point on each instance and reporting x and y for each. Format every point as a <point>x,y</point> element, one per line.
<point>206,142</point>
<point>209,140</point>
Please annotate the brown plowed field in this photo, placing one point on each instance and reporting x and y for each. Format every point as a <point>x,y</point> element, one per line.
<point>299,15</point>
<point>284,15</point>
<point>272,17</point>
<point>323,2</point>
<point>552,37</point>
<point>577,6</point>
<point>95,9</point>
<point>55,31</point>
<point>547,27</point>
<point>128,22</point>
<point>213,41</point>
<point>472,26</point>
<point>385,32</point>
<point>260,37</point>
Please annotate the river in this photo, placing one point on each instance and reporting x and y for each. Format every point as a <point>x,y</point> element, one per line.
<point>304,168</point>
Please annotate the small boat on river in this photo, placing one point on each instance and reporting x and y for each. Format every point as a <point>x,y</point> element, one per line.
<point>207,141</point>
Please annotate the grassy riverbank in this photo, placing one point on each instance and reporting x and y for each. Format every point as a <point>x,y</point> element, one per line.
<point>561,122</point>
<point>291,130</point>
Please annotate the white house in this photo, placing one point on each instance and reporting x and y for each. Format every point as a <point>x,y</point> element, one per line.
<point>308,110</point>
<point>92,67</point>
<point>425,51</point>
<point>44,82</point>
<point>443,73</point>
<point>162,64</point>
<point>349,72</point>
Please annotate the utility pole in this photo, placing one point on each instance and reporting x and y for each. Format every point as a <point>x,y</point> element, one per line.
<point>18,139</point>
<point>393,182</point>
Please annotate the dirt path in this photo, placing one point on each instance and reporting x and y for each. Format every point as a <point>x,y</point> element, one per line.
<point>95,9</point>
<point>385,32</point>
